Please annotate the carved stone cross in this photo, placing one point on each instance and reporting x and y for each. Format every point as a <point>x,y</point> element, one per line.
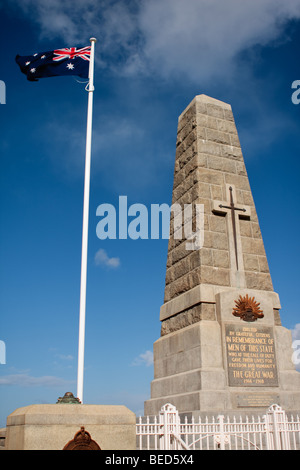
<point>235,212</point>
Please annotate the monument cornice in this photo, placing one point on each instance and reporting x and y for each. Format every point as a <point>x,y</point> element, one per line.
<point>203,293</point>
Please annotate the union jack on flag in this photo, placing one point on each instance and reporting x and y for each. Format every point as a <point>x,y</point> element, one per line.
<point>83,53</point>
<point>67,61</point>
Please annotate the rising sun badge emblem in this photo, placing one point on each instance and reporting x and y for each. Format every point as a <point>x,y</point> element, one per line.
<point>247,309</point>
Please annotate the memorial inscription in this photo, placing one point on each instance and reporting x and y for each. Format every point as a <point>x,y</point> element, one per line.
<point>251,360</point>
<point>257,400</point>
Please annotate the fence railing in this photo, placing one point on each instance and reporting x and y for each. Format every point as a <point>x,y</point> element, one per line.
<point>272,431</point>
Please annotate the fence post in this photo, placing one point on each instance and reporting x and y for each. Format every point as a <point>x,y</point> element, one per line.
<point>169,422</point>
<point>163,440</point>
<point>222,432</point>
<point>277,429</point>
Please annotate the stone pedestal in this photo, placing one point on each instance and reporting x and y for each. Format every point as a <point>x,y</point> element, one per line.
<point>226,364</point>
<point>51,427</point>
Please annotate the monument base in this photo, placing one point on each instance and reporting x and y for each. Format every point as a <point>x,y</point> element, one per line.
<point>51,427</point>
<point>224,364</point>
<point>213,403</point>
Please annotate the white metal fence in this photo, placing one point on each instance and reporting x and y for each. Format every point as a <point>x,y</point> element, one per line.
<point>272,431</point>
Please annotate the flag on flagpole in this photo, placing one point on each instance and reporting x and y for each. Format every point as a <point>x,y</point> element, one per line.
<point>71,61</point>
<point>67,61</point>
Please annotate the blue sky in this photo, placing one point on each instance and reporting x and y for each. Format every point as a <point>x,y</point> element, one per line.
<point>152,58</point>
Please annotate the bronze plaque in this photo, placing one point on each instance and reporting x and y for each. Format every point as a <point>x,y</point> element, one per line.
<point>251,358</point>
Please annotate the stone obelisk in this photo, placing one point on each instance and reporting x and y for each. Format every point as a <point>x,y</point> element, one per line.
<point>222,346</point>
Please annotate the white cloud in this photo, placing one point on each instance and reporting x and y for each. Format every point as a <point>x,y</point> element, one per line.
<point>203,38</point>
<point>25,380</point>
<point>112,22</point>
<point>296,346</point>
<point>101,258</point>
<point>145,358</point>
<point>58,19</point>
<point>65,357</point>
<point>195,38</point>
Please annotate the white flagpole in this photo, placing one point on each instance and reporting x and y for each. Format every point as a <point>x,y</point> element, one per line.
<point>85,225</point>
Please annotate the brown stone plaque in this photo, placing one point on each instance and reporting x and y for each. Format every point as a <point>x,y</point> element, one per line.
<point>251,358</point>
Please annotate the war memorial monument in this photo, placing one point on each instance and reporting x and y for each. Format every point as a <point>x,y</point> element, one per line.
<point>222,346</point>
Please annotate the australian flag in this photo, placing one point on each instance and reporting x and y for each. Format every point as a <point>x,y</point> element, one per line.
<point>67,61</point>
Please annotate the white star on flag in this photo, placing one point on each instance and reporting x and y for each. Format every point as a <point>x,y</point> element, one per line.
<point>70,66</point>
<point>32,70</point>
